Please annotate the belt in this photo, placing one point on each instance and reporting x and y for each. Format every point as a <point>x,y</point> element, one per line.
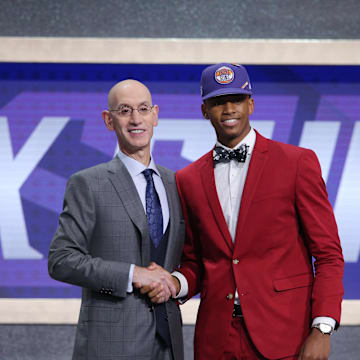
<point>237,311</point>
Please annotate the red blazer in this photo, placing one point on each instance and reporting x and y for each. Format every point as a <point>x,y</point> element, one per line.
<point>285,218</point>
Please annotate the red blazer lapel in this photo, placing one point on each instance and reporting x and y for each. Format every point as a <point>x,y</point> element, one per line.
<point>208,179</point>
<point>256,167</point>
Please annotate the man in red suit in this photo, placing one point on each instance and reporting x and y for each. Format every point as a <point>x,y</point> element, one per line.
<point>257,212</point>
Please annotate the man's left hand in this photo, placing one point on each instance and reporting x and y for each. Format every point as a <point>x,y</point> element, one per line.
<point>316,346</point>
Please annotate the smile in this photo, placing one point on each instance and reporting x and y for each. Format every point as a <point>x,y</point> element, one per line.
<point>229,121</point>
<point>136,131</point>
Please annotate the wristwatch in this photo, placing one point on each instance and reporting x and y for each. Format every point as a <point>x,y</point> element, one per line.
<point>326,329</point>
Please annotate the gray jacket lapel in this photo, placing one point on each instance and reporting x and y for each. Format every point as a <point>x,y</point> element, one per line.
<point>126,190</point>
<point>169,184</point>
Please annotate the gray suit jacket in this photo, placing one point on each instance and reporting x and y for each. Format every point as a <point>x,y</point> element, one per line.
<point>102,230</point>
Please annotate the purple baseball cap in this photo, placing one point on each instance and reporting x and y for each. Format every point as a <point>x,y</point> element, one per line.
<point>224,79</point>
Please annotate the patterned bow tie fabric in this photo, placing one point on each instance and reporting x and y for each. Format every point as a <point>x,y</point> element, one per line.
<point>221,155</point>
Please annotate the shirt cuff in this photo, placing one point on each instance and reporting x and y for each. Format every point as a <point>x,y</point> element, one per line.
<point>324,320</point>
<point>184,287</point>
<point>131,274</point>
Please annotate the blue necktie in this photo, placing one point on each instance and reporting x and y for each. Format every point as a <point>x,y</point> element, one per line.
<point>153,209</point>
<point>155,221</point>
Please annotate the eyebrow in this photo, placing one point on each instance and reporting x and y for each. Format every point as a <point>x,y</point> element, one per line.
<point>124,104</point>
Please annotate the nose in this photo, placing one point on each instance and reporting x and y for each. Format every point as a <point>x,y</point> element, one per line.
<point>229,107</point>
<point>135,117</point>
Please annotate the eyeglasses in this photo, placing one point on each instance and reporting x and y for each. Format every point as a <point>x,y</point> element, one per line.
<point>126,111</point>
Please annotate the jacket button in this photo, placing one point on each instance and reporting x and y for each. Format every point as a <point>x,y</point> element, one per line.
<point>229,296</point>
<point>235,261</point>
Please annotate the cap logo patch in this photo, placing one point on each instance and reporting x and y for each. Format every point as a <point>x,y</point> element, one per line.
<point>224,75</point>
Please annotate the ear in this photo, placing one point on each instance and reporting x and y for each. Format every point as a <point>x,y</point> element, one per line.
<point>155,114</point>
<point>251,106</point>
<point>108,120</point>
<point>203,110</point>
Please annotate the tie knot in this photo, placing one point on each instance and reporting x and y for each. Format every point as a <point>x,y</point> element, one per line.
<point>148,174</point>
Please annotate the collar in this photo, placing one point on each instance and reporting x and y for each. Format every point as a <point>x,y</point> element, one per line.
<point>135,167</point>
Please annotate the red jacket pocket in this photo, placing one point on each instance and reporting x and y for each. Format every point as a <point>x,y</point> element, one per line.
<point>293,282</point>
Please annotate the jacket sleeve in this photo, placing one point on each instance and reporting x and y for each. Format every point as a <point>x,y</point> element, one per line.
<point>70,258</point>
<point>191,264</point>
<point>321,234</point>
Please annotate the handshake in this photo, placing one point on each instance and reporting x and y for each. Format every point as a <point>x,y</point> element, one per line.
<point>156,282</point>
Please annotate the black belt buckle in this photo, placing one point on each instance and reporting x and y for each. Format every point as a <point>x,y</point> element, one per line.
<point>237,311</point>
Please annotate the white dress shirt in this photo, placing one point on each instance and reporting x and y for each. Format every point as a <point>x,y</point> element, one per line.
<point>135,169</point>
<point>230,180</point>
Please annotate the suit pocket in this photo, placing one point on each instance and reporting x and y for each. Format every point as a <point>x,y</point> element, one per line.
<point>271,196</point>
<point>293,282</point>
<point>100,314</point>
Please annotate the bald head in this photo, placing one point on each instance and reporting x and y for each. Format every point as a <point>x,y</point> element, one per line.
<point>134,129</point>
<point>128,89</point>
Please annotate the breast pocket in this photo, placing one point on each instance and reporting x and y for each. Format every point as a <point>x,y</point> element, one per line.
<point>273,196</point>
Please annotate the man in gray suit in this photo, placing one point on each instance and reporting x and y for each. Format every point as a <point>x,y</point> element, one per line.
<point>121,229</point>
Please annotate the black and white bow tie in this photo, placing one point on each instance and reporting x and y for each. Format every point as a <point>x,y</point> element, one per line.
<point>221,155</point>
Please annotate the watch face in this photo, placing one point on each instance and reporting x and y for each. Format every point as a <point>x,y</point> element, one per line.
<point>325,328</point>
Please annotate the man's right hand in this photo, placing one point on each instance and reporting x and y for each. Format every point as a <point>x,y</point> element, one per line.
<point>154,277</point>
<point>156,293</point>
